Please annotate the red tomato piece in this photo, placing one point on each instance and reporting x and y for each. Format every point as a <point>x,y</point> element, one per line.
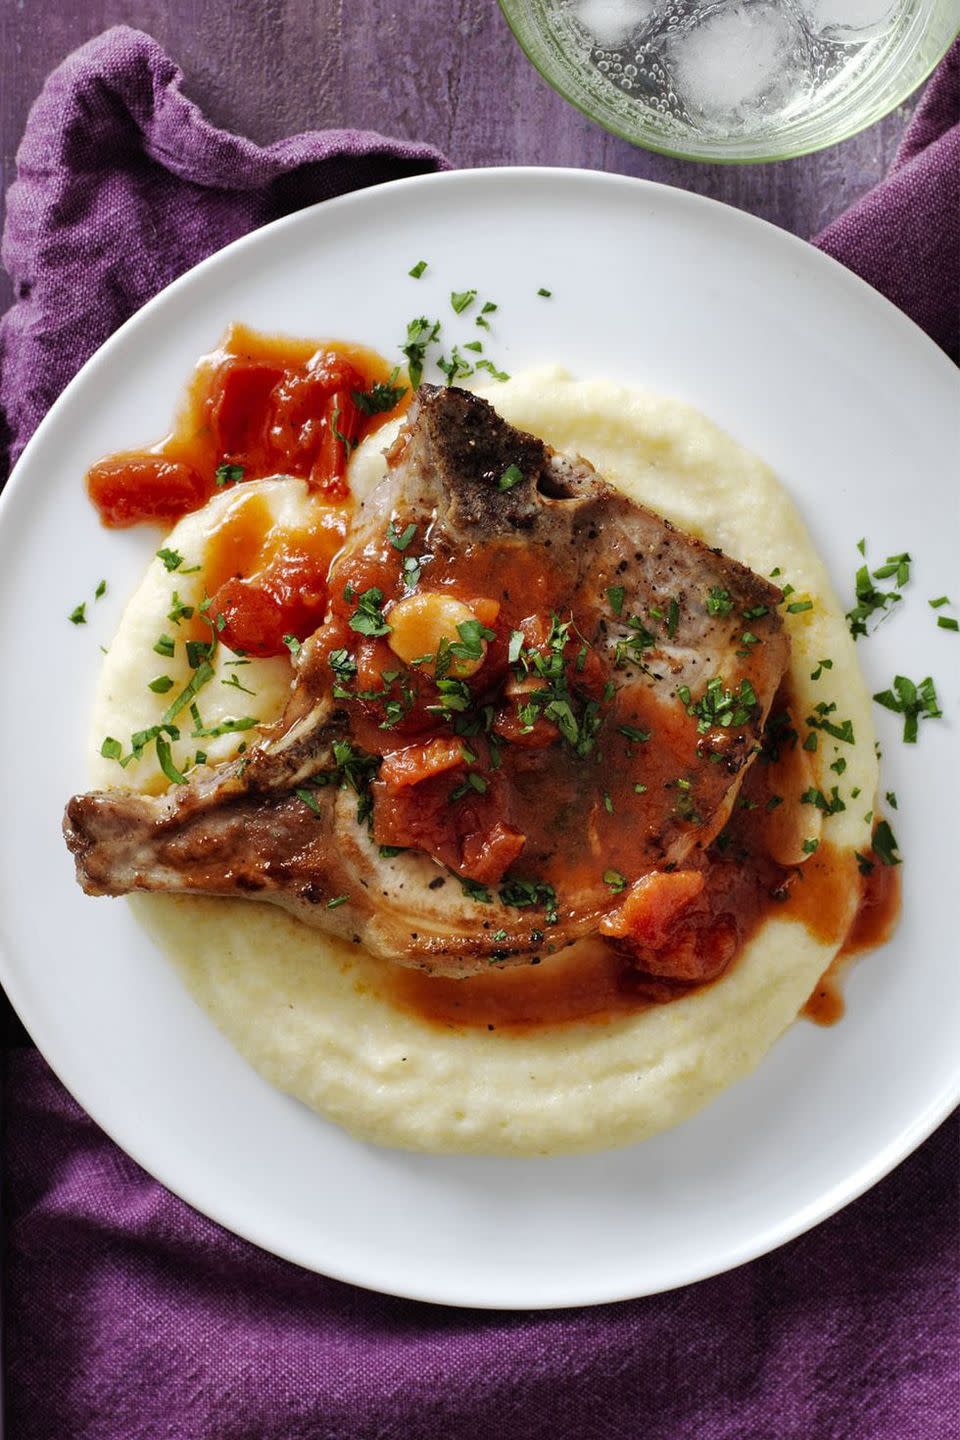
<point>488,854</point>
<point>240,409</point>
<point>340,435</point>
<point>146,487</point>
<point>248,618</point>
<point>419,762</point>
<point>652,904</point>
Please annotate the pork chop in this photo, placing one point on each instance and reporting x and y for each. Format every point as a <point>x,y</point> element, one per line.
<point>529,695</point>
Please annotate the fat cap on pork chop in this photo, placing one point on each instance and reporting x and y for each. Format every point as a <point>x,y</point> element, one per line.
<point>610,721</point>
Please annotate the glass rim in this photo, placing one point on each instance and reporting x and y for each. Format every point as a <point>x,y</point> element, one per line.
<point>509,7</point>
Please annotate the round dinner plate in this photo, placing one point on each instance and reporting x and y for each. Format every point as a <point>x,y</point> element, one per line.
<point>799,361</point>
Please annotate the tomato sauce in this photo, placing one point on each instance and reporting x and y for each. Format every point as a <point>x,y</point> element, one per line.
<point>258,406</point>
<point>873,924</point>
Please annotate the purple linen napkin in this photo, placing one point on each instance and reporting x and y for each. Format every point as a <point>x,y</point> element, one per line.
<point>127,1314</point>
<point>904,236</point>
<point>122,186</point>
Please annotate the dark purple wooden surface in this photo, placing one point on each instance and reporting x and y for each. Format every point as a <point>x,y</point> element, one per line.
<point>447,71</point>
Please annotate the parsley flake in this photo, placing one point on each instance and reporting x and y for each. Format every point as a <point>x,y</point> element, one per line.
<point>915,702</point>
<point>228,474</point>
<point>368,619</point>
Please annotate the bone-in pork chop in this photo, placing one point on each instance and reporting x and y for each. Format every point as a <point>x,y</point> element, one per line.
<point>527,713</point>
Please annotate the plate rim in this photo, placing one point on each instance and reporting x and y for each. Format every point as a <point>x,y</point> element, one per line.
<point>773,1236</point>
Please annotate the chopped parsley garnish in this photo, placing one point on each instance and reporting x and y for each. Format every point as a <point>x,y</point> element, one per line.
<point>309,799</point>
<point>161,685</point>
<point>200,650</point>
<point>839,765</point>
<point>417,270</point>
<point>915,702</point>
<point>454,697</point>
<point>111,749</point>
<point>337,901</point>
<point>898,565</point>
<point>225,727</point>
<point>101,590</point>
<point>201,677</point>
<point>381,397</point>
<point>473,782</point>
<point>615,595</point>
<point>756,612</point>
<point>530,894</point>
<point>173,560</point>
<point>673,618</point>
<point>166,762</point>
<point>400,539</point>
<point>228,474</point>
<point>885,844</point>
<point>819,721</point>
<point>639,789</point>
<point>456,368</point>
<point>462,300</point>
<point>178,610</point>
<point>368,619</point>
<point>864,864</point>
<point>633,732</point>
<point>631,649</point>
<point>345,441</point>
<point>78,615</point>
<point>234,684</point>
<point>411,572</point>
<point>833,806</point>
<point>474,891</point>
<point>470,645</point>
<point>421,334</point>
<point>719,707</point>
<point>892,800</point>
<point>510,477</point>
<point>615,880</point>
<point>165,646</point>
<point>773,803</point>
<point>947,622</point>
<point>488,307</point>
<point>576,717</point>
<point>719,601</point>
<point>821,666</point>
<point>492,369</point>
<point>940,600</point>
<point>810,743</point>
<point>869,599</point>
<point>292,644</point>
<point>798,606</point>
<point>344,668</point>
<point>809,847</point>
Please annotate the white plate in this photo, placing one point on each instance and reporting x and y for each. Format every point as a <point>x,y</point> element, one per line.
<point>802,363</point>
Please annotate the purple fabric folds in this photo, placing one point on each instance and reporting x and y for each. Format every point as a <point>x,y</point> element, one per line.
<point>127,1315</point>
<point>121,186</point>
<point>904,236</point>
